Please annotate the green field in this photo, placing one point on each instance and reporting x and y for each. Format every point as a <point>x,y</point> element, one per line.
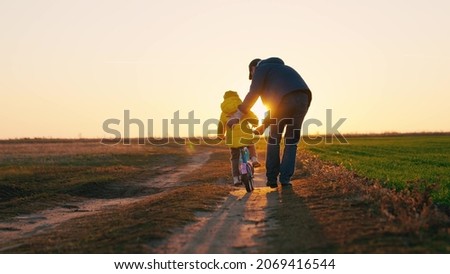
<point>45,174</point>
<point>420,162</point>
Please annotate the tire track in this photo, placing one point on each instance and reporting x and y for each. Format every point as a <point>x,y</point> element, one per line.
<point>237,226</point>
<point>28,225</point>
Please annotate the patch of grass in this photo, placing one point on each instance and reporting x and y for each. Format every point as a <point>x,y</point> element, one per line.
<point>136,227</point>
<point>217,167</point>
<point>130,229</point>
<point>401,162</point>
<point>37,176</point>
<point>332,210</point>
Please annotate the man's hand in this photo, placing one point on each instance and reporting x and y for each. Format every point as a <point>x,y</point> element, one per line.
<point>259,130</point>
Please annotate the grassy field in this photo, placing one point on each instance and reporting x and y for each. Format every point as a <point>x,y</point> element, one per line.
<point>44,174</point>
<point>40,175</point>
<point>420,162</point>
<point>129,229</point>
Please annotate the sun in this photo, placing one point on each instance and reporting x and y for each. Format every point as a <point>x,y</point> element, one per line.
<point>259,109</point>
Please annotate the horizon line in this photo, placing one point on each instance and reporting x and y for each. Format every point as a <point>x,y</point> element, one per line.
<point>368,134</point>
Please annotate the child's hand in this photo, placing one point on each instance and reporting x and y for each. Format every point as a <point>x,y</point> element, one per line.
<point>232,122</point>
<point>234,118</point>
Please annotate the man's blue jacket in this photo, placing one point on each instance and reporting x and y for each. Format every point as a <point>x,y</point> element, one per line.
<point>272,80</point>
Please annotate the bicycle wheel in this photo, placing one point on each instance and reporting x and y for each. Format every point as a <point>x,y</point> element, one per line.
<point>250,171</point>
<point>246,181</point>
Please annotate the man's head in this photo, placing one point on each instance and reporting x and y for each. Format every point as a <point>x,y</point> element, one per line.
<point>252,67</point>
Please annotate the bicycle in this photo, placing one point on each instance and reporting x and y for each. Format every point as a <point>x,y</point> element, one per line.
<point>246,169</point>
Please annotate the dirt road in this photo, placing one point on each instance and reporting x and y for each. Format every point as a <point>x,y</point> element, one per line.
<point>44,221</point>
<point>326,211</point>
<point>315,215</point>
<point>237,226</point>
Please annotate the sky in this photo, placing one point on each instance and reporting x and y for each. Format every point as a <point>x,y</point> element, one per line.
<point>68,67</point>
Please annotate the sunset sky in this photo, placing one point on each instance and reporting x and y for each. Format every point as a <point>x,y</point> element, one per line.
<point>67,66</point>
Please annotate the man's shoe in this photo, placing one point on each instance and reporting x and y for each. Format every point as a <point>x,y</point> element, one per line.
<point>272,184</point>
<point>288,184</point>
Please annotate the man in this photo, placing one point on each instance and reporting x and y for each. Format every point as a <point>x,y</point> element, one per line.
<point>287,96</point>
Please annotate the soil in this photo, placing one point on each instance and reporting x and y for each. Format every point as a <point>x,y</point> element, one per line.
<point>32,224</point>
<point>322,219</point>
<point>237,226</point>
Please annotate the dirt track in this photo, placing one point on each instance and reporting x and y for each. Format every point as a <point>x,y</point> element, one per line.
<point>237,226</point>
<point>40,222</point>
<point>313,216</point>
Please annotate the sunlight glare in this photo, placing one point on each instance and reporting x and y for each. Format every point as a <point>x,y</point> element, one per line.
<point>260,110</point>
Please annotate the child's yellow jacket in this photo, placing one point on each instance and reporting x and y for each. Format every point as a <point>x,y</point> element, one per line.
<point>240,134</point>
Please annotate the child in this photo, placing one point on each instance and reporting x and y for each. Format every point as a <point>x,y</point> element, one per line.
<point>239,135</point>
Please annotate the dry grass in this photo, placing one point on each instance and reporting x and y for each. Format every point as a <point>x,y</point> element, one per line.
<point>405,212</point>
<point>130,229</point>
<point>332,210</point>
<point>133,228</point>
<point>39,175</point>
